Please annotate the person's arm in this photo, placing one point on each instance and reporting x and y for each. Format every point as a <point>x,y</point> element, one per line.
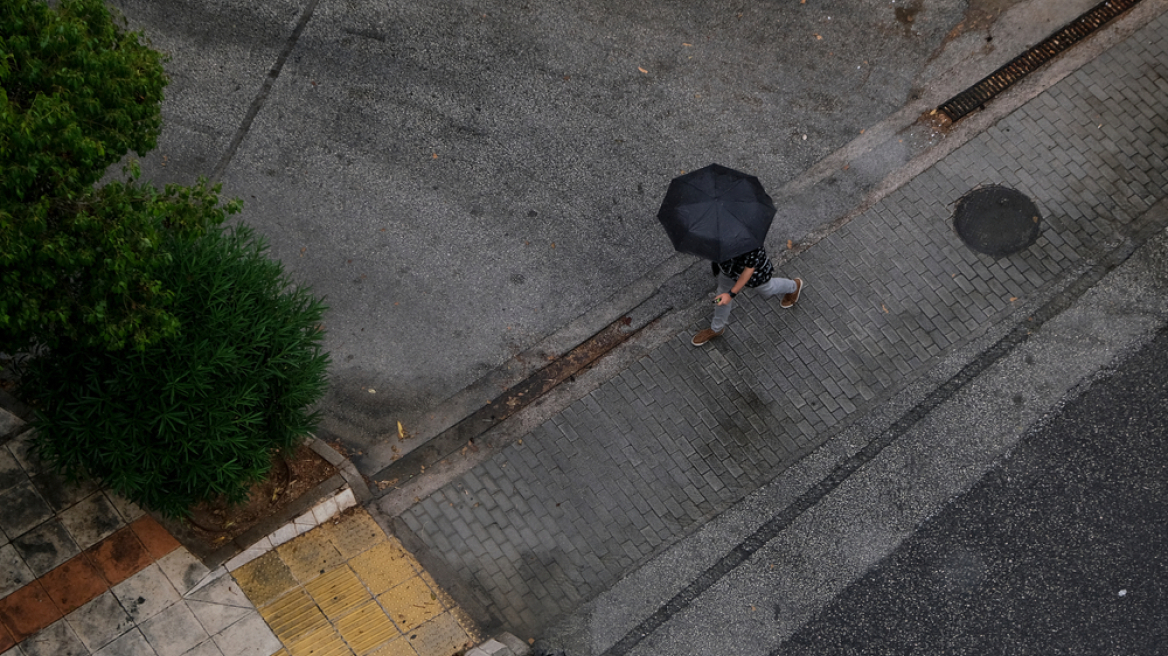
<point>723,299</point>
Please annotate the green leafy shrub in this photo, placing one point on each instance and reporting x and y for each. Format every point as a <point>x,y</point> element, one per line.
<point>198,414</point>
<point>90,277</point>
<point>77,263</point>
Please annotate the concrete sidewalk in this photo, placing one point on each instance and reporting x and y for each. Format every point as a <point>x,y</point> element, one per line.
<point>87,572</point>
<point>629,460</point>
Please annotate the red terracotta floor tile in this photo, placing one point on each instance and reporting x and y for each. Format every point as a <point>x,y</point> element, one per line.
<point>119,556</point>
<point>158,540</point>
<point>27,611</point>
<point>6,639</point>
<point>73,583</point>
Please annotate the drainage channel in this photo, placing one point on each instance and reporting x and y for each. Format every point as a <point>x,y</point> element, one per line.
<point>461,437</point>
<point>976,96</point>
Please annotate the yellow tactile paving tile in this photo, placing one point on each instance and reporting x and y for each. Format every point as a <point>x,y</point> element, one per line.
<point>310,555</point>
<point>346,588</point>
<point>439,635</point>
<point>354,533</point>
<point>411,603</point>
<point>293,616</point>
<point>338,591</point>
<point>367,627</point>
<point>384,566</point>
<point>399,647</point>
<point>265,578</point>
<point>321,642</point>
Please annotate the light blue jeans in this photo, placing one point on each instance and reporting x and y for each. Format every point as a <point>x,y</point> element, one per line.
<point>774,287</point>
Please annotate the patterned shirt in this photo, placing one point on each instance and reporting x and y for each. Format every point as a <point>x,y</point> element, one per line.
<point>756,259</point>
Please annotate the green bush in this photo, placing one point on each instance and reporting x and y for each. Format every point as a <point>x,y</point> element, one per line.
<point>77,263</point>
<point>196,416</point>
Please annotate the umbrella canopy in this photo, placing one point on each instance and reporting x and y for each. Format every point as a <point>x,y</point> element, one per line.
<point>716,213</point>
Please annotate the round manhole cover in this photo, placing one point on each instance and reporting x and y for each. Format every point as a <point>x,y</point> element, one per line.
<point>996,220</point>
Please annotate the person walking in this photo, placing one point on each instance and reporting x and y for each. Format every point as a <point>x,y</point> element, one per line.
<point>752,269</point>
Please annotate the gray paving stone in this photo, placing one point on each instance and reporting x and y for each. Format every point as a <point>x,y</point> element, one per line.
<point>100,621</point>
<point>24,508</point>
<point>183,570</point>
<point>249,636</point>
<point>45,547</point>
<point>59,492</point>
<point>11,472</point>
<point>57,639</point>
<point>91,520</point>
<point>146,593</point>
<point>131,643</point>
<point>14,572</point>
<point>173,631</point>
<point>206,648</point>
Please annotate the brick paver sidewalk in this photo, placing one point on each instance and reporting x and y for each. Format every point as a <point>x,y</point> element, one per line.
<point>683,433</point>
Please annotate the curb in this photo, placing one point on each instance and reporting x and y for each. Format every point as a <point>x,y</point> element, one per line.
<point>340,491</point>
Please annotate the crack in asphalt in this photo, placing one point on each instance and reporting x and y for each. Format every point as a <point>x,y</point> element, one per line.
<point>258,103</point>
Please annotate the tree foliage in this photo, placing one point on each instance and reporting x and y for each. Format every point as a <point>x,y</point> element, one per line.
<point>77,263</point>
<point>198,414</point>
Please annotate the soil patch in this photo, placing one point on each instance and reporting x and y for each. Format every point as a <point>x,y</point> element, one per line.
<point>215,524</point>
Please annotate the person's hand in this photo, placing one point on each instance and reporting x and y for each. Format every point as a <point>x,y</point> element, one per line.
<point>722,299</point>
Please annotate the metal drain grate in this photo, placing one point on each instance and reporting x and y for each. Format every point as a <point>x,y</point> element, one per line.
<point>998,81</point>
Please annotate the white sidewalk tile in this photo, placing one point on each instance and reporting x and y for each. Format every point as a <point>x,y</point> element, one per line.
<point>100,621</point>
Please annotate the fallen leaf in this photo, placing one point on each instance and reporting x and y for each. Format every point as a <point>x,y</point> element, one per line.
<point>642,70</point>
<point>790,245</point>
<point>1013,298</point>
<point>884,307</point>
<point>818,38</point>
<point>687,45</point>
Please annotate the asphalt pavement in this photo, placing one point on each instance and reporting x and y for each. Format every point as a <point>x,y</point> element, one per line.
<point>1059,549</point>
<point>473,186</point>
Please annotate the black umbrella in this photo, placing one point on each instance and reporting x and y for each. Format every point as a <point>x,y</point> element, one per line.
<point>716,213</point>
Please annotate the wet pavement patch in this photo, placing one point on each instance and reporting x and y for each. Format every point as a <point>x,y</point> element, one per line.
<point>996,220</point>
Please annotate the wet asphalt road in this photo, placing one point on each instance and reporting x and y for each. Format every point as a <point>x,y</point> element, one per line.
<point>1061,549</point>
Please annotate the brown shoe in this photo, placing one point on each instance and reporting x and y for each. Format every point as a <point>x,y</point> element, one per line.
<point>705,336</point>
<point>793,297</point>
